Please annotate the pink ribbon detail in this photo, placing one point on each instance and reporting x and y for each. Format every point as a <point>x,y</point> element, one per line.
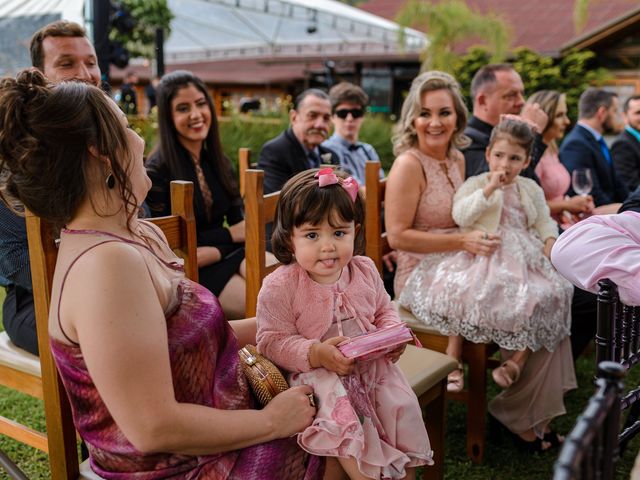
<point>326,177</point>
<point>351,186</point>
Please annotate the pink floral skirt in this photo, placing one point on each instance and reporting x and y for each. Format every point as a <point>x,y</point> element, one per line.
<point>371,415</point>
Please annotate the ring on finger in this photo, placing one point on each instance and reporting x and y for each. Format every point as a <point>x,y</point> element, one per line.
<point>485,236</point>
<point>312,400</point>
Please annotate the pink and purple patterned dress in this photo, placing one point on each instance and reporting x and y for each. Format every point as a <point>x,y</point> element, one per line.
<point>205,371</point>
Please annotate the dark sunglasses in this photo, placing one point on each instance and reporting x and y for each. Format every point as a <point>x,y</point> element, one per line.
<point>355,112</point>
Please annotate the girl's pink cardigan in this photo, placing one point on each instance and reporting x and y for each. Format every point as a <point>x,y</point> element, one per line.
<point>294,311</point>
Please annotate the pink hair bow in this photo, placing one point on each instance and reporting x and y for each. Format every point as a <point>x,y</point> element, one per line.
<point>327,177</point>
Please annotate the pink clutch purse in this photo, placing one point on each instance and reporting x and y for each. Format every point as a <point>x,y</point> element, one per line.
<point>369,346</point>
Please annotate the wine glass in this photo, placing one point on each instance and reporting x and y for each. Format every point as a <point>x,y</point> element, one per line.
<point>581,181</point>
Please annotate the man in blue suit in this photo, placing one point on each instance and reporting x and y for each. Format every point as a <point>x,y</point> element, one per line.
<point>585,147</point>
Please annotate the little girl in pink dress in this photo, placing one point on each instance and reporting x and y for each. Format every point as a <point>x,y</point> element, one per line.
<point>368,416</point>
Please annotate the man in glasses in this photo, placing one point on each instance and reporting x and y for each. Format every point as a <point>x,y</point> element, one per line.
<point>348,104</point>
<point>298,148</point>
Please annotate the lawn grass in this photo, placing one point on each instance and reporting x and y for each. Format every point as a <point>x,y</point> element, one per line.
<point>502,460</point>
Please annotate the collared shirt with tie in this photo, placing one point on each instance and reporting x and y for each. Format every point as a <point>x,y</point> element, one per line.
<point>353,156</point>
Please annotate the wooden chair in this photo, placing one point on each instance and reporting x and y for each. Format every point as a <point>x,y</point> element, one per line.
<point>591,451</point>
<point>60,440</point>
<point>426,370</point>
<point>244,164</point>
<point>618,340</point>
<point>475,355</point>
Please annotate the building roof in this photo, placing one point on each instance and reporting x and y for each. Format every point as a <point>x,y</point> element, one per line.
<point>545,26</point>
<point>252,71</point>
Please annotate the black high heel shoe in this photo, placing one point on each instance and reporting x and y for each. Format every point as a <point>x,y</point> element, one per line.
<point>553,438</point>
<point>497,429</point>
<point>533,446</point>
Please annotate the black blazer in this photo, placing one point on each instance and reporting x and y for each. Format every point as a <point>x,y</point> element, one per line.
<point>227,208</point>
<point>282,157</point>
<point>626,159</point>
<point>581,150</point>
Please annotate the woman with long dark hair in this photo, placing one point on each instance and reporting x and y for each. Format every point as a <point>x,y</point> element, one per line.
<point>189,148</point>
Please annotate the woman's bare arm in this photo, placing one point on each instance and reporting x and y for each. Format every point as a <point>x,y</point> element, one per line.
<point>405,185</point>
<point>110,305</point>
<point>245,330</point>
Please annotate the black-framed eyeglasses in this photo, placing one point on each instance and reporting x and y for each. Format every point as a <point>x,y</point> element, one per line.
<point>344,112</point>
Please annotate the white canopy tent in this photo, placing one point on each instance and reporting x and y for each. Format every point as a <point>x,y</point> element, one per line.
<point>69,9</point>
<point>210,30</point>
<point>224,29</point>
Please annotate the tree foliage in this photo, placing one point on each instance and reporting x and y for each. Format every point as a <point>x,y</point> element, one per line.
<point>571,74</point>
<point>449,23</point>
<point>149,15</point>
<point>580,14</point>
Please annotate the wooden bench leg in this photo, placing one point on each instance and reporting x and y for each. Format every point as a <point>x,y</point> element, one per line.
<point>476,402</point>
<point>435,418</point>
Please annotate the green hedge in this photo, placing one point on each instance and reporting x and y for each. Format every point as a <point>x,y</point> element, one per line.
<point>252,132</point>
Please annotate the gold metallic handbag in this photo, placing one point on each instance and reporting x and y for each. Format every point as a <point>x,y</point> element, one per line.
<point>265,378</point>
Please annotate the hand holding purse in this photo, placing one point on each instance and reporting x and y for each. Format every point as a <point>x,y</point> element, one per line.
<point>265,378</point>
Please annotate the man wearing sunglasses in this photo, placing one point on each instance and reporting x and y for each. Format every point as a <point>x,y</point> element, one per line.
<point>348,103</point>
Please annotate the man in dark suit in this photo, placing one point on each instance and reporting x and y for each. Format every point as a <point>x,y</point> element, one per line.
<point>585,147</point>
<point>497,89</point>
<point>298,148</point>
<point>625,150</point>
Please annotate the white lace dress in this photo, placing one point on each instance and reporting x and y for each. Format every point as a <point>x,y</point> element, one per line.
<point>513,297</point>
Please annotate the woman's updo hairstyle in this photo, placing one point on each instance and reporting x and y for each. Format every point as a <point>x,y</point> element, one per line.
<point>45,134</point>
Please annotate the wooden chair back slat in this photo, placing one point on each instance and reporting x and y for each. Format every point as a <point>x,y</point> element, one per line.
<point>259,210</point>
<point>377,244</point>
<point>61,435</point>
<point>244,164</point>
<point>270,203</point>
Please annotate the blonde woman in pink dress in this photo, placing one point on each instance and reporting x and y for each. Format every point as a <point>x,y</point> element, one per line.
<point>418,212</point>
<point>422,181</point>
<point>368,416</point>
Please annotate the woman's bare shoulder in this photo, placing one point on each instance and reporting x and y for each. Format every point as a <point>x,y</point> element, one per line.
<point>407,164</point>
